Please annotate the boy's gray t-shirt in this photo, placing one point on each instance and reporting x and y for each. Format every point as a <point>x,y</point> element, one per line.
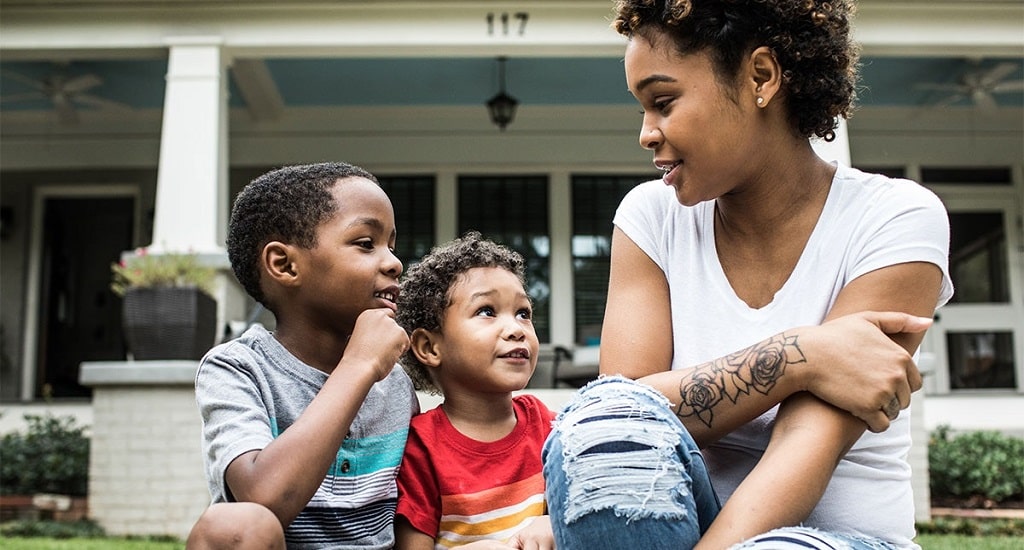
<point>251,389</point>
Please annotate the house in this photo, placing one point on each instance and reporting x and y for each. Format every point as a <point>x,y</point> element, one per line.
<point>133,123</point>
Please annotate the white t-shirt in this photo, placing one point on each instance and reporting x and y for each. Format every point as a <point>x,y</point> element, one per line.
<point>868,222</point>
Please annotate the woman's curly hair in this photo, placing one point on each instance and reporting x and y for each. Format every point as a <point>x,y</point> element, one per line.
<point>426,289</point>
<point>809,38</point>
<point>287,205</point>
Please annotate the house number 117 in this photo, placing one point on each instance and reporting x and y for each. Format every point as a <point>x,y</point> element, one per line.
<point>503,19</point>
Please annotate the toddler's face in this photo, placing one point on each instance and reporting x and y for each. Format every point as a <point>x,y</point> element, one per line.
<point>487,339</point>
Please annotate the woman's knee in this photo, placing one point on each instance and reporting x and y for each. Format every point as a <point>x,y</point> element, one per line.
<point>236,525</point>
<point>619,436</point>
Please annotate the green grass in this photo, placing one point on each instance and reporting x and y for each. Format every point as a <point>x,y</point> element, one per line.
<point>962,542</point>
<point>43,543</point>
<point>74,535</point>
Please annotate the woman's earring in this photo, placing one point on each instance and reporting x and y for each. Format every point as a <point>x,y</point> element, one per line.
<point>760,101</point>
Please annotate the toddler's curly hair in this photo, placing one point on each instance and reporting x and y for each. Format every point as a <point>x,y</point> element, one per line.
<point>426,289</point>
<point>287,205</point>
<point>810,39</point>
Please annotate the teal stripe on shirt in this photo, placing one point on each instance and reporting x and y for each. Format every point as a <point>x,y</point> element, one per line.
<point>370,454</point>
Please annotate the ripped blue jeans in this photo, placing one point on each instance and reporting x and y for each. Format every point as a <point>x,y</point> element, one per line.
<point>622,472</point>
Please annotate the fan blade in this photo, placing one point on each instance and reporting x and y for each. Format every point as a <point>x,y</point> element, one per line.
<point>35,83</point>
<point>997,73</point>
<point>1011,86</point>
<point>13,98</point>
<point>81,83</point>
<point>949,101</point>
<point>101,103</point>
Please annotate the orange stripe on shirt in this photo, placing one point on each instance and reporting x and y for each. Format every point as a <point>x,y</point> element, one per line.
<point>470,527</point>
<point>490,499</point>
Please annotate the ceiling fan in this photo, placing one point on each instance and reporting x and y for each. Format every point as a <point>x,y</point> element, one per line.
<point>65,93</point>
<point>979,85</point>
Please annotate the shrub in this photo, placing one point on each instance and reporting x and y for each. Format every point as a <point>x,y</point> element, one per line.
<point>973,527</point>
<point>983,464</point>
<point>52,529</point>
<point>51,457</point>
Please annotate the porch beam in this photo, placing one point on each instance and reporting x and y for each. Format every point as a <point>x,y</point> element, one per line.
<point>551,28</point>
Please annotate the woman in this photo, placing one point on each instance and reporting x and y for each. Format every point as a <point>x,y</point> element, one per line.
<point>751,242</point>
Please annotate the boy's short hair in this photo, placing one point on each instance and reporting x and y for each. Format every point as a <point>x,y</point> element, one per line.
<point>287,205</point>
<point>426,289</point>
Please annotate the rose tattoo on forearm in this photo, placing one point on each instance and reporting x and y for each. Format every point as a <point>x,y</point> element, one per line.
<point>755,368</point>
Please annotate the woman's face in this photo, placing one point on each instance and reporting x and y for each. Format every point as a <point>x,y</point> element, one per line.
<point>699,130</point>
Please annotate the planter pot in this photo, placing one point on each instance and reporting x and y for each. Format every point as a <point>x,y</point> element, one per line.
<point>169,323</point>
<point>43,506</point>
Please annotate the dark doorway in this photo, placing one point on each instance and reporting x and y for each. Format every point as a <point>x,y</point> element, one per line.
<point>80,318</point>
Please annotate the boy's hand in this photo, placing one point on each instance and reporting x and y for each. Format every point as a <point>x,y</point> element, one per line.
<point>376,340</point>
<point>535,536</point>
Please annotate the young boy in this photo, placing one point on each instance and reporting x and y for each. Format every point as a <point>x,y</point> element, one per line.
<point>471,474</point>
<point>304,427</point>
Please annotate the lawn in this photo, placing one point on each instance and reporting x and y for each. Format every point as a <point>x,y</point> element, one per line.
<point>43,543</point>
<point>961,542</point>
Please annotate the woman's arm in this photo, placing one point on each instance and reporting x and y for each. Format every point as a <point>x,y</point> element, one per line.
<point>811,437</point>
<point>636,336</point>
<point>712,399</point>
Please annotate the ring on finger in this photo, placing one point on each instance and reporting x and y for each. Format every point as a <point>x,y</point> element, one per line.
<point>892,409</point>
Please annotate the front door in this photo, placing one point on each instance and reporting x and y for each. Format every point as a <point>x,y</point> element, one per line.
<point>80,318</point>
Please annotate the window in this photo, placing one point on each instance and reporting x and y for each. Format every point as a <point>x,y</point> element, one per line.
<point>978,258</point>
<point>981,360</point>
<point>979,175</point>
<point>594,200</point>
<point>513,210</point>
<point>978,340</point>
<point>413,200</point>
<point>888,171</point>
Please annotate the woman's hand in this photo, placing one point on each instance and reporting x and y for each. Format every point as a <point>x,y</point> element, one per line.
<point>859,368</point>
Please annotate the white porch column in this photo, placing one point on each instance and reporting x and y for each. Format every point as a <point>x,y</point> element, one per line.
<point>191,194</point>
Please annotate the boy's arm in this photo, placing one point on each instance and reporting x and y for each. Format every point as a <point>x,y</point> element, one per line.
<point>285,474</point>
<point>418,511</point>
<point>408,537</point>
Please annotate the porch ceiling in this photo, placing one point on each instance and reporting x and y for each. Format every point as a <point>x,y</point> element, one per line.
<point>263,85</point>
